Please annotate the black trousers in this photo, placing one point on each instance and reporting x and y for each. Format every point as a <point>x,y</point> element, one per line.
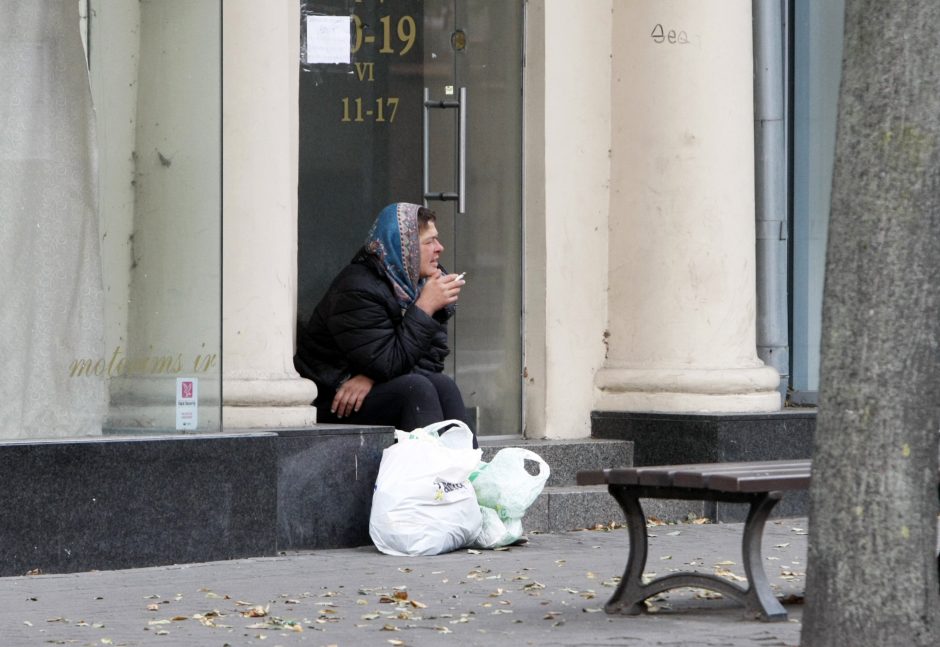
<point>406,402</point>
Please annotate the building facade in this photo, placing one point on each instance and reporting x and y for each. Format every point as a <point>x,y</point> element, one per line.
<point>637,191</point>
<point>619,194</point>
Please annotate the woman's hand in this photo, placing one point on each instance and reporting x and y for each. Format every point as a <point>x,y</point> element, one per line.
<point>350,394</point>
<point>439,291</point>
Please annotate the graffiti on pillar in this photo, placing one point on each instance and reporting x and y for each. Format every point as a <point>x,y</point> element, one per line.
<point>660,35</point>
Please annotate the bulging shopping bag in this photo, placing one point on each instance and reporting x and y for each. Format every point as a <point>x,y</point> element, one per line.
<point>505,490</point>
<point>423,502</point>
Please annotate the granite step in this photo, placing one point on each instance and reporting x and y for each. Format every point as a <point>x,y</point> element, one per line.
<point>576,507</point>
<point>566,457</point>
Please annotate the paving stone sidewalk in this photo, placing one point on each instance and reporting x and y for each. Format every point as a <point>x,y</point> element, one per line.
<point>548,592</point>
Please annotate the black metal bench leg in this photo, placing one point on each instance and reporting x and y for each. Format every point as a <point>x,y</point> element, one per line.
<point>760,599</point>
<point>628,597</point>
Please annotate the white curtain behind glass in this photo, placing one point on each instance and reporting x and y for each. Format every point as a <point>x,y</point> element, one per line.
<point>50,278</point>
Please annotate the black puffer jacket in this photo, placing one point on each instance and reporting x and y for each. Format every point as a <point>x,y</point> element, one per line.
<point>359,328</point>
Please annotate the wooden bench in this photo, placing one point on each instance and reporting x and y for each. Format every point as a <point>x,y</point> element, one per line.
<point>759,484</point>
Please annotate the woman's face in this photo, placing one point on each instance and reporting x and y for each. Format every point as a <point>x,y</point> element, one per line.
<point>431,249</point>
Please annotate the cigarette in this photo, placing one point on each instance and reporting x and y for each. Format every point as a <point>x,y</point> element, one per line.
<point>460,276</point>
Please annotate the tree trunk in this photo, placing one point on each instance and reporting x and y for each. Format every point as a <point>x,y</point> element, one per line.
<point>872,568</point>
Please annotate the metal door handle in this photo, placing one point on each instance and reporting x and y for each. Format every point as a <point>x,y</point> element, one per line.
<point>462,152</point>
<point>461,195</point>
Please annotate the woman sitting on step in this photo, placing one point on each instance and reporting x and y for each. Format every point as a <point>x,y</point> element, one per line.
<point>376,342</point>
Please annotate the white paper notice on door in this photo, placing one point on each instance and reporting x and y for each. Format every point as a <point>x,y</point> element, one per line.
<point>327,39</point>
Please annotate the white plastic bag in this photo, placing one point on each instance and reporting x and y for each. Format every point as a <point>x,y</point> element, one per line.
<point>505,490</point>
<point>423,502</point>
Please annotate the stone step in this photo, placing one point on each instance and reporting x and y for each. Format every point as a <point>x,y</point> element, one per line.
<point>574,507</point>
<point>566,457</point>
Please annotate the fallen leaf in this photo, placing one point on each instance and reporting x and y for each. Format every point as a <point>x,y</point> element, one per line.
<point>257,611</point>
<point>725,573</point>
<point>705,594</point>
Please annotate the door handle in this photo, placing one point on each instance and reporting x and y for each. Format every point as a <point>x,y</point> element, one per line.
<point>460,196</point>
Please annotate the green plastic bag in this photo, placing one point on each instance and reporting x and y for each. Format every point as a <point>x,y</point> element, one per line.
<point>505,490</point>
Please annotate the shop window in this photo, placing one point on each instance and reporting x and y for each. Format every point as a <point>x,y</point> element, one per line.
<point>110,186</point>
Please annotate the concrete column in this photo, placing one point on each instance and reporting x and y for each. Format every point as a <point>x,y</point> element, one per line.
<point>682,295</point>
<point>567,141</point>
<point>259,105</point>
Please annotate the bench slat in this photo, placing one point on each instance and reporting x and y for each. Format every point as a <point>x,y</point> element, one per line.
<point>706,478</point>
<point>700,475</point>
<point>759,483</point>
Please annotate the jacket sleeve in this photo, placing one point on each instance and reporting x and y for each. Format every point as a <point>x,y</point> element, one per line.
<point>373,342</point>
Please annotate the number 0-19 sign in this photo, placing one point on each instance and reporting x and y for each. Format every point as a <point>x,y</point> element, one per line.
<point>388,35</point>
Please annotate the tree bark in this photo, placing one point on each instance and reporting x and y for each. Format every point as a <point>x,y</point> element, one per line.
<point>872,568</point>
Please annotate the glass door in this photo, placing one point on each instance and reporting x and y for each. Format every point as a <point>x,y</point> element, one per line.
<point>363,141</point>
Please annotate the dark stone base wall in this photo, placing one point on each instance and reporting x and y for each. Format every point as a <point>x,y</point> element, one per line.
<point>326,477</point>
<point>668,439</point>
<point>134,501</point>
<point>84,504</point>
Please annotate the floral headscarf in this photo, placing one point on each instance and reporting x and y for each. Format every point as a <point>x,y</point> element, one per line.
<point>394,240</point>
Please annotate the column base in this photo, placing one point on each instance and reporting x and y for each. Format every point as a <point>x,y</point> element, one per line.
<point>743,390</point>
<point>241,418</point>
<point>268,403</point>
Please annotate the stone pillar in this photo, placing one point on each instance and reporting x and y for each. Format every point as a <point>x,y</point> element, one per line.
<point>260,80</point>
<point>682,295</point>
<point>567,141</point>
